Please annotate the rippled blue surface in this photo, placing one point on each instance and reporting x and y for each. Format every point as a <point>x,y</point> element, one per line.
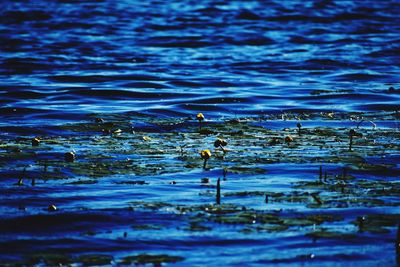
<point>61,58</point>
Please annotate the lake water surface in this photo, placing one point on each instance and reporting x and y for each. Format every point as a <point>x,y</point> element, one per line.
<point>146,68</point>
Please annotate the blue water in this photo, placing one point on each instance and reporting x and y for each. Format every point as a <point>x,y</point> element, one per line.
<point>65,58</point>
<point>61,60</point>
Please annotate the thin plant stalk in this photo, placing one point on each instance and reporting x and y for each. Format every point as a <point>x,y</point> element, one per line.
<point>218,197</point>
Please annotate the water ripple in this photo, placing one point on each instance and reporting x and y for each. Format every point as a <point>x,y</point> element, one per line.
<point>178,58</point>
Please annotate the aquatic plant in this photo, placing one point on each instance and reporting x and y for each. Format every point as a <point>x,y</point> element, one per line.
<point>352,133</point>
<point>155,259</point>
<point>35,142</point>
<point>320,173</point>
<point>205,155</point>
<point>205,180</point>
<point>52,208</point>
<point>299,128</point>
<point>288,139</point>
<point>127,161</point>
<point>225,172</point>
<point>20,182</point>
<point>99,120</point>
<point>398,245</point>
<point>21,179</point>
<point>95,259</point>
<point>69,156</point>
<point>220,143</point>
<point>200,118</point>
<point>218,195</point>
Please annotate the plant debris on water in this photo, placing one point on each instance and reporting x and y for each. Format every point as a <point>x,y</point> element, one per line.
<point>126,193</point>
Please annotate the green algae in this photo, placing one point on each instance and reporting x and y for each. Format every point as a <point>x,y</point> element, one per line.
<point>197,227</point>
<point>95,259</point>
<point>323,233</point>
<point>102,156</point>
<point>17,155</point>
<point>240,218</point>
<point>48,259</point>
<point>228,214</point>
<point>143,227</point>
<point>253,193</point>
<point>268,228</point>
<point>83,182</point>
<point>322,218</point>
<point>246,170</point>
<point>383,169</point>
<point>298,222</point>
<point>98,169</point>
<point>155,259</point>
<point>377,223</point>
<point>290,197</point>
<point>352,192</point>
<point>251,217</point>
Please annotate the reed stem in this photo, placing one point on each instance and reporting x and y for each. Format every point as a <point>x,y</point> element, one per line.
<point>218,197</point>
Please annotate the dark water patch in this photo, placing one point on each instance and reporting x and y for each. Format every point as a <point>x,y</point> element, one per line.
<point>145,85</point>
<point>176,41</point>
<point>55,222</point>
<point>24,94</point>
<point>23,65</point>
<point>185,83</point>
<point>13,44</point>
<point>272,66</point>
<point>102,78</point>
<point>6,101</point>
<point>24,130</point>
<point>223,100</point>
<point>360,77</point>
<point>206,83</point>
<point>249,40</point>
<point>324,63</point>
<point>370,29</point>
<point>299,18</point>
<point>17,16</point>
<point>346,16</point>
<point>18,111</point>
<point>298,39</point>
<point>210,10</point>
<point>348,97</point>
<point>70,245</point>
<point>69,25</point>
<point>248,15</point>
<point>394,106</point>
<point>160,27</point>
<point>386,52</point>
<point>122,94</point>
<point>23,246</point>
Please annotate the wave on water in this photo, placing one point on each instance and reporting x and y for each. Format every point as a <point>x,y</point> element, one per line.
<point>94,53</point>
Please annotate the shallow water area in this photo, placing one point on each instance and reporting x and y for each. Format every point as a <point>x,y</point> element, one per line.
<point>137,194</point>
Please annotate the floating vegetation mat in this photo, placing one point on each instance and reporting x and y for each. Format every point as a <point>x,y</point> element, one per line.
<point>124,189</point>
